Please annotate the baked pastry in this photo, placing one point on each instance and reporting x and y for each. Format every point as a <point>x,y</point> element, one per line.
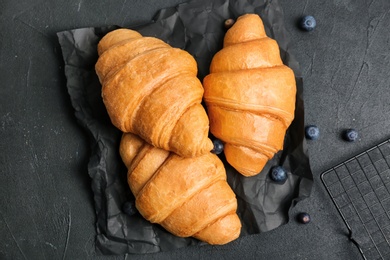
<point>152,90</point>
<point>250,96</point>
<point>186,196</point>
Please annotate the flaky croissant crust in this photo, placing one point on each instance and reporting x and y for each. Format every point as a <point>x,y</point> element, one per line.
<point>152,90</point>
<point>187,196</point>
<point>250,96</point>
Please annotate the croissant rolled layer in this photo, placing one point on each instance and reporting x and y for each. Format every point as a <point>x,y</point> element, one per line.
<point>250,96</point>
<point>152,90</point>
<point>186,196</point>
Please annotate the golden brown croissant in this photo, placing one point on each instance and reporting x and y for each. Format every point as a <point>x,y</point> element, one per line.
<point>187,196</point>
<point>152,90</point>
<point>250,96</point>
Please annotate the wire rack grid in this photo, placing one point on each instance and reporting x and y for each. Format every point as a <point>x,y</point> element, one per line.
<point>360,190</point>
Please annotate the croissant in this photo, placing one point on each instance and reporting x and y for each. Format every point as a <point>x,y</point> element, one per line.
<point>186,196</point>
<point>152,90</point>
<point>250,96</point>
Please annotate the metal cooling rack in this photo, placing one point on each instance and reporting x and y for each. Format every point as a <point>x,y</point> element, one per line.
<point>360,190</point>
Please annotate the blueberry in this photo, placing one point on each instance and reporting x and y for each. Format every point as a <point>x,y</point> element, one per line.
<point>303,218</point>
<point>350,135</point>
<point>278,174</point>
<point>229,23</point>
<point>218,146</point>
<point>129,208</point>
<point>312,132</point>
<point>308,23</point>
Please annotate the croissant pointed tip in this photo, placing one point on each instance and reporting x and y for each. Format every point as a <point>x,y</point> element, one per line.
<point>245,160</point>
<point>115,37</point>
<point>247,27</point>
<point>190,135</point>
<point>228,229</point>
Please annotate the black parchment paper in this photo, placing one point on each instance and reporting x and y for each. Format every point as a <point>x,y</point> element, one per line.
<point>197,27</point>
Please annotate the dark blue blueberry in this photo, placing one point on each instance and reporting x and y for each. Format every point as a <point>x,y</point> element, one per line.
<point>350,135</point>
<point>303,218</point>
<point>312,132</point>
<point>278,174</point>
<point>129,208</point>
<point>308,23</point>
<point>218,146</point>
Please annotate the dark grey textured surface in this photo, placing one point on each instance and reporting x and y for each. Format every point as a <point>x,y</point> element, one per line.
<point>46,202</point>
